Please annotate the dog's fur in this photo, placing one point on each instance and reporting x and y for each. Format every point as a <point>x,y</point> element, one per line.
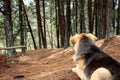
<point>92,63</point>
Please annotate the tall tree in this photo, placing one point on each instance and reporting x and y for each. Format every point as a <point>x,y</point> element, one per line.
<point>114,18</point>
<point>57,26</point>
<point>82,16</point>
<point>61,20</point>
<point>74,17</point>
<point>98,18</point>
<point>51,25</point>
<point>103,18</point>
<point>44,20</point>
<point>90,16</point>
<point>8,26</point>
<point>22,37</point>
<point>68,24</point>
<point>118,20</point>
<point>29,26</point>
<point>109,13</point>
<point>39,24</point>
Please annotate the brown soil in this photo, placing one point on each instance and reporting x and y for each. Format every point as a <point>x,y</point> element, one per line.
<point>49,64</point>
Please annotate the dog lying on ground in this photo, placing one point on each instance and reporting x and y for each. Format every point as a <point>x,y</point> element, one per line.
<point>92,63</point>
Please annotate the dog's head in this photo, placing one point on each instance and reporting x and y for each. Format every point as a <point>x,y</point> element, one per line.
<point>77,37</point>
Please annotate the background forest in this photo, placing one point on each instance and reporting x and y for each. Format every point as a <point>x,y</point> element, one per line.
<point>50,23</point>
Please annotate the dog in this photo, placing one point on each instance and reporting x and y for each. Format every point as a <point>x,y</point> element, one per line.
<point>92,63</point>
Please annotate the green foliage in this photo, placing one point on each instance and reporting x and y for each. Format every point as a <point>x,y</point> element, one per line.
<point>50,20</point>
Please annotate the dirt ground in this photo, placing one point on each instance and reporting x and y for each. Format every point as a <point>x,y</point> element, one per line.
<point>49,64</point>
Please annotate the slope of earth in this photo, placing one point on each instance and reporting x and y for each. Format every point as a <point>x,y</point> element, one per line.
<point>43,64</point>
<point>112,46</point>
<point>49,64</point>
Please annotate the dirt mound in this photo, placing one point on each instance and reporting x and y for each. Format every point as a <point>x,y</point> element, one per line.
<point>115,40</point>
<point>112,46</point>
<point>42,64</point>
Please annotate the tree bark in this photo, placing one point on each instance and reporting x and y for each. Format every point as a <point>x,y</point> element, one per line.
<point>61,20</point>
<point>44,20</point>
<point>82,16</point>
<point>76,16</point>
<point>98,18</point>
<point>8,27</point>
<point>118,20</point>
<point>109,13</point>
<point>29,26</point>
<point>57,26</point>
<point>104,20</point>
<point>90,16</point>
<point>51,25</point>
<point>22,37</point>
<point>68,25</point>
<point>39,24</point>
<point>114,18</point>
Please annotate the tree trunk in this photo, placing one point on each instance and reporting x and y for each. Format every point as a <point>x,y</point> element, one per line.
<point>90,16</point>
<point>44,20</point>
<point>8,26</point>
<point>68,24</point>
<point>76,16</point>
<point>104,20</point>
<point>22,37</point>
<point>109,5</point>
<point>95,16</point>
<point>57,26</point>
<point>118,20</point>
<point>39,24</point>
<point>29,26</point>
<point>51,25</point>
<point>61,20</point>
<point>82,16</point>
<point>114,18</point>
<point>98,18</point>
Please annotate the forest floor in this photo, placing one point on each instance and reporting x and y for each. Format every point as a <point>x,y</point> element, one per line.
<point>49,64</point>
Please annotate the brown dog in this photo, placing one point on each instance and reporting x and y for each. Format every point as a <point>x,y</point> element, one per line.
<point>92,63</point>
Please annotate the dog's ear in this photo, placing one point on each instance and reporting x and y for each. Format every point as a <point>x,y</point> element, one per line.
<point>94,38</point>
<point>74,39</point>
